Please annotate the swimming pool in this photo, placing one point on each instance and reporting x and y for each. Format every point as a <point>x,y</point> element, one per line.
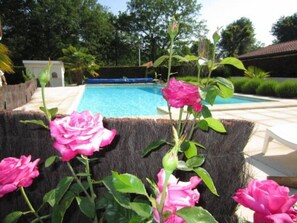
<point>133,100</point>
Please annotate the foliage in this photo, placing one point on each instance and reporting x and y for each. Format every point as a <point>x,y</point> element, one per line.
<point>267,88</point>
<point>238,83</point>
<point>250,86</point>
<point>28,75</point>
<point>148,20</point>
<point>256,72</point>
<point>5,61</point>
<point>238,38</point>
<point>41,29</point>
<point>287,89</point>
<point>79,61</point>
<point>285,29</point>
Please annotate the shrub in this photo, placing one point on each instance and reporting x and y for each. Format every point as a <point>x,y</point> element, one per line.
<point>238,83</point>
<point>256,72</point>
<point>287,89</point>
<point>250,86</point>
<point>267,88</point>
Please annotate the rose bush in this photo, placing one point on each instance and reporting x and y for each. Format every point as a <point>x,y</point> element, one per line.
<point>178,195</point>
<point>270,201</point>
<point>17,172</point>
<point>80,133</point>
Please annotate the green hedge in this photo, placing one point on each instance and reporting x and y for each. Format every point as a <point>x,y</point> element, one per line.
<point>250,86</point>
<point>286,89</point>
<point>267,88</point>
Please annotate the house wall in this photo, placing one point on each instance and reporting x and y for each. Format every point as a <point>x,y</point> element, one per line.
<point>278,66</point>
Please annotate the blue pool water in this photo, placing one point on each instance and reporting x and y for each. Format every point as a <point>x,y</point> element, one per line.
<point>133,100</point>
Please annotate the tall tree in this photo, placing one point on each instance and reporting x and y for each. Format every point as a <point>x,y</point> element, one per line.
<point>238,38</point>
<point>36,29</point>
<point>285,29</point>
<point>148,20</point>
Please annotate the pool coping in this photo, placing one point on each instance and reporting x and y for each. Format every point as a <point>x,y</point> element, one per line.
<point>272,103</point>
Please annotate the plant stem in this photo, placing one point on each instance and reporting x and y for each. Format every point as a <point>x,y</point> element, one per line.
<point>44,104</point>
<point>30,205</point>
<point>78,181</point>
<point>161,204</point>
<point>181,110</point>
<point>192,128</point>
<point>170,60</point>
<point>213,61</point>
<point>93,195</point>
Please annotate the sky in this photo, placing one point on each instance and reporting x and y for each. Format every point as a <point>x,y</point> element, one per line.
<point>220,13</point>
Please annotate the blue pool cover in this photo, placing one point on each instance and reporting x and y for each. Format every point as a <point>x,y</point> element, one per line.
<point>118,80</point>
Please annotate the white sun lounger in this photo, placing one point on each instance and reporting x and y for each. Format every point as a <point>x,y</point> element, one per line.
<point>284,133</point>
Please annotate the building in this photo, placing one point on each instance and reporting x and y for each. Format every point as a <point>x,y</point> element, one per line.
<point>280,60</point>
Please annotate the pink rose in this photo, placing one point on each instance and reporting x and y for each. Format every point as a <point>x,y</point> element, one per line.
<point>16,173</point>
<point>179,195</point>
<point>178,94</point>
<point>80,133</point>
<point>270,201</point>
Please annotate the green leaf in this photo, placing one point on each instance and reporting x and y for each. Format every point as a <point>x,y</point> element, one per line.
<point>192,150</point>
<point>226,87</point>
<point>206,112</point>
<point>204,175</point>
<point>215,124</point>
<point>62,187</point>
<point>215,37</point>
<point>114,212</point>
<point>36,122</point>
<point>77,189</point>
<point>46,112</point>
<point>234,62</point>
<point>199,145</point>
<point>59,210</point>
<point>160,60</point>
<point>54,196</point>
<point>49,197</point>
<point>195,161</point>
<point>185,146</point>
<point>12,217</point>
<point>44,75</point>
<point>49,161</point>
<point>142,209</point>
<point>153,146</point>
<point>86,206</point>
<point>196,215</point>
<point>191,58</point>
<point>203,125</point>
<point>211,94</point>
<point>181,165</point>
<point>128,183</point>
<point>180,58</point>
<point>119,197</point>
<point>53,111</point>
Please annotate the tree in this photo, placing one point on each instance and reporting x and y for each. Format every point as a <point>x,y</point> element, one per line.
<point>148,20</point>
<point>285,29</point>
<point>238,38</point>
<point>5,62</point>
<point>79,61</point>
<point>36,29</point>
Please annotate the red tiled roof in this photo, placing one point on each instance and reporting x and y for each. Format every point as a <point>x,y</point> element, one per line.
<point>272,50</point>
